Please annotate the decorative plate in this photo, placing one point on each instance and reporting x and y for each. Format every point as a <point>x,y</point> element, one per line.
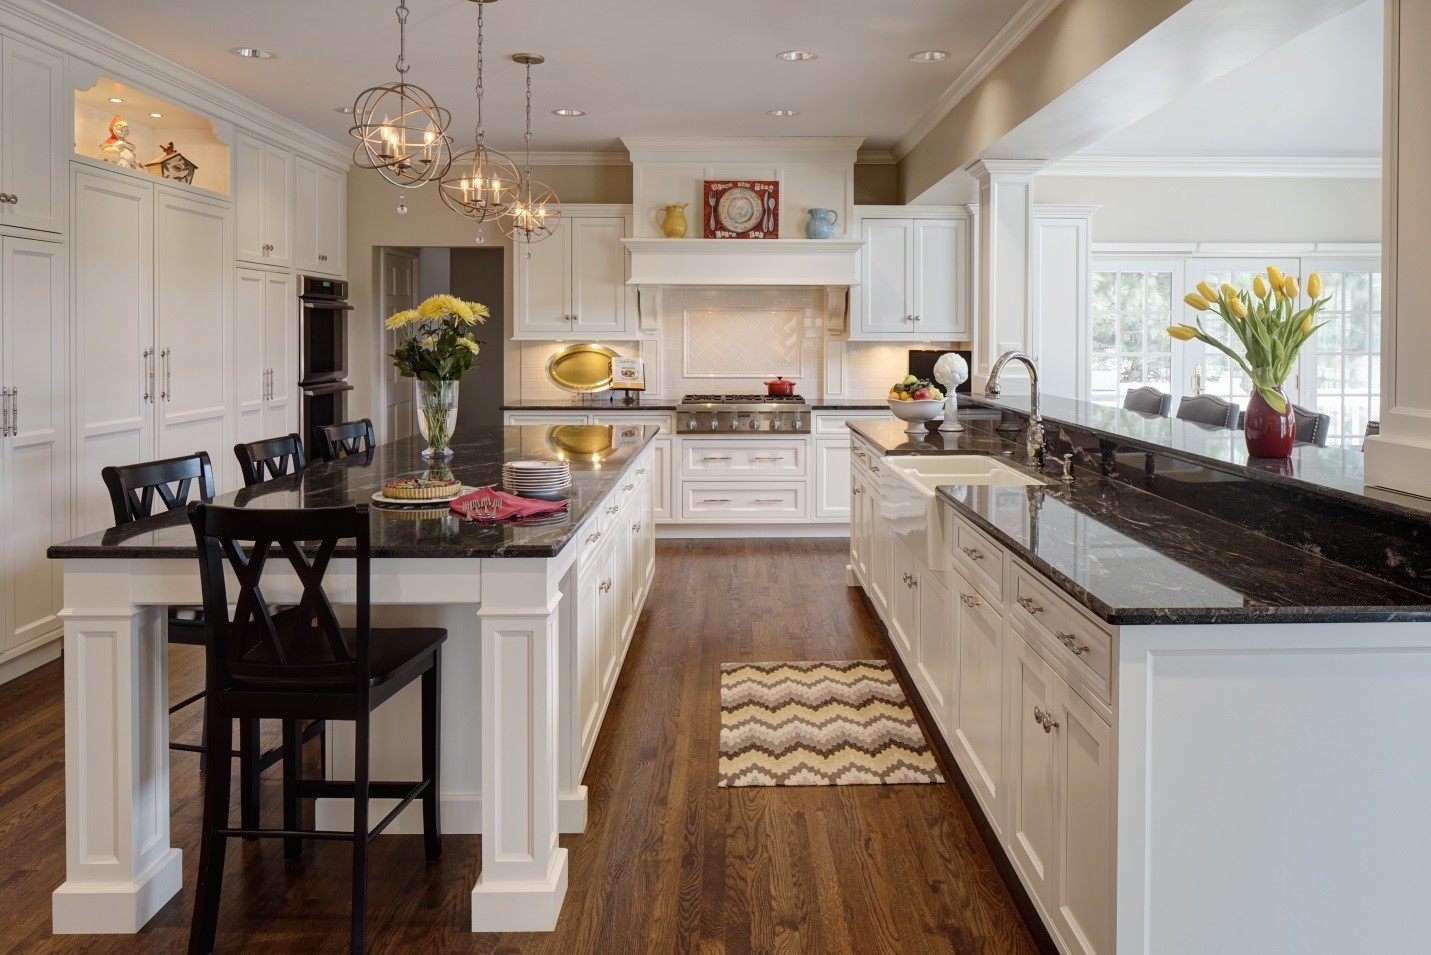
<point>740,209</point>
<point>581,369</point>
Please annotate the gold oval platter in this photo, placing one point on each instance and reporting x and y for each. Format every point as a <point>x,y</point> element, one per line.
<point>581,439</point>
<point>581,368</point>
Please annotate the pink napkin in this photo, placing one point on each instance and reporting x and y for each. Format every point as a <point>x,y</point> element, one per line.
<point>509,506</point>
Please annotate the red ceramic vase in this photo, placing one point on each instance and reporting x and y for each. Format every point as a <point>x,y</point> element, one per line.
<point>1269,434</point>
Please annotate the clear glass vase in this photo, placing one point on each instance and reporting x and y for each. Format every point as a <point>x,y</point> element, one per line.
<point>436,416</point>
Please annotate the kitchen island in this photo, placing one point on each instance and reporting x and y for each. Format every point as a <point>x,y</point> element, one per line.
<point>1181,683</point>
<point>539,616</point>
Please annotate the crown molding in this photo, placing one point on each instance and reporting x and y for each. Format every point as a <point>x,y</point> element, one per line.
<point>132,64</point>
<point>1226,167</point>
<point>982,168</point>
<point>1030,15</point>
<point>711,149</point>
<point>875,157</point>
<point>555,157</point>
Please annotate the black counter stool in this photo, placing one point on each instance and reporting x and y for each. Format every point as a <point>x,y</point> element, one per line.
<point>134,490</point>
<point>300,664</point>
<point>271,457</point>
<point>1311,427</point>
<point>1209,409</point>
<point>334,441</point>
<point>1148,400</point>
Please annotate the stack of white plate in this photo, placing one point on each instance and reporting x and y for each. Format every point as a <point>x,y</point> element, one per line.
<point>536,478</point>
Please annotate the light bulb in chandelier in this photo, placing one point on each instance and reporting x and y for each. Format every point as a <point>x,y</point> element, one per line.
<point>535,213</point>
<point>400,129</point>
<point>481,182</point>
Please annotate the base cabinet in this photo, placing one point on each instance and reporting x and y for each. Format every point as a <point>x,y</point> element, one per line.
<point>978,731</point>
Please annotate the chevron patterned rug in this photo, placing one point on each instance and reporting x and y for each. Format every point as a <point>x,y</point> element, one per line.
<point>831,723</point>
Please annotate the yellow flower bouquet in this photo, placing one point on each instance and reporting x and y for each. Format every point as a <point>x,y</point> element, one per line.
<point>436,350</point>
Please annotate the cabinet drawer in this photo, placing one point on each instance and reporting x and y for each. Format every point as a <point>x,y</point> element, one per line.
<point>1083,645</point>
<point>863,458</point>
<point>982,560</point>
<point>725,503</point>
<point>733,457</point>
<point>590,537</point>
<point>833,422</point>
<point>618,418</point>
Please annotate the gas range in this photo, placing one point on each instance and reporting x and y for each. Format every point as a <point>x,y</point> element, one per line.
<point>742,414</point>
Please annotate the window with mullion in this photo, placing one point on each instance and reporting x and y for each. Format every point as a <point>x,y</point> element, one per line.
<point>1346,380</point>
<point>1133,304</point>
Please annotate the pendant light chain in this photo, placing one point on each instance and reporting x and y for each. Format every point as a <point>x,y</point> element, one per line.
<point>401,12</point>
<point>527,162</point>
<point>477,133</point>
<point>536,211</point>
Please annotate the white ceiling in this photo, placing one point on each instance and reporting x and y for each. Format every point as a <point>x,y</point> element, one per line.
<point>1318,95</point>
<point>638,67</point>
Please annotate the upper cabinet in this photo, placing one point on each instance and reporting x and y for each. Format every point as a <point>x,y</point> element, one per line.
<point>574,283</point>
<point>914,275</point>
<point>33,189</point>
<point>263,202</point>
<point>322,227</point>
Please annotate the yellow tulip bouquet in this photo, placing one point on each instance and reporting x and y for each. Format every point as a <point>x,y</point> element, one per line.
<point>1264,320</point>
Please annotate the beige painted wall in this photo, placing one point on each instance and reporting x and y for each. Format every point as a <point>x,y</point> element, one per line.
<point>1222,210</point>
<point>876,184</point>
<point>1075,39</point>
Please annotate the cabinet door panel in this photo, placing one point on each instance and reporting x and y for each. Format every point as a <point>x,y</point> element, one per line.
<point>277,204</point>
<point>588,669</point>
<point>280,349</point>
<point>1083,914</point>
<point>112,247</point>
<point>248,199</point>
<point>192,307</point>
<point>941,257</point>
<point>661,457</point>
<point>332,247</point>
<point>35,482</point>
<point>832,479</point>
<point>885,292</point>
<point>978,730</point>
<point>541,292</point>
<point>881,563</point>
<point>249,362</point>
<point>598,274</point>
<point>1032,789</point>
<point>33,140</point>
<point>306,200</point>
<point>936,647</point>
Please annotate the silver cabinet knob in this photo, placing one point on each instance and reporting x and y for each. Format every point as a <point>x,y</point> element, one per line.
<point>593,538</point>
<point>1045,719</point>
<point>969,600</point>
<point>1071,641</point>
<point>1028,604</point>
<point>973,554</point>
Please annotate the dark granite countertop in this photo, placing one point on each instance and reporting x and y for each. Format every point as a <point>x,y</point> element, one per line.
<point>1134,557</point>
<point>1332,471</point>
<point>478,454</point>
<point>606,402</point>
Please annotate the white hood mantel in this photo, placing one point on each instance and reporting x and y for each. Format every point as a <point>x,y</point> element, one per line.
<point>715,263</point>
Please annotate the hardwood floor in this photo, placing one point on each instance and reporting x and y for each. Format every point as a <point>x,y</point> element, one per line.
<point>669,862</point>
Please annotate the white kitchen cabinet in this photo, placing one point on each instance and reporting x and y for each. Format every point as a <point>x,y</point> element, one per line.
<point>1033,807</point>
<point>935,660</point>
<point>34,445</point>
<point>881,559</point>
<point>977,740</point>
<point>153,305</point>
<point>573,285</point>
<point>904,606</point>
<point>265,347</point>
<point>1083,906</point>
<point>263,202</point>
<point>914,281</point>
<point>33,138</point>
<point>321,226</point>
<point>832,479</point>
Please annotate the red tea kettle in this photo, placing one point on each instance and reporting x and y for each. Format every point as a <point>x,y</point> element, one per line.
<point>780,388</point>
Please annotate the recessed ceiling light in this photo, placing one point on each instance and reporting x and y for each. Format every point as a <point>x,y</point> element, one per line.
<point>115,99</point>
<point>784,112</point>
<point>252,53</point>
<point>568,111</point>
<point>929,56</point>
<point>796,56</point>
<point>342,109</point>
<point>156,115</point>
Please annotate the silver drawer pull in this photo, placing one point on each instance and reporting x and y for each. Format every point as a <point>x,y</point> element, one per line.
<point>767,500</point>
<point>768,458</point>
<point>712,457</point>
<point>715,500</point>
<point>612,509</point>
<point>973,554</point>
<point>912,582</point>
<point>593,538</point>
<point>1071,641</point>
<point>874,468</point>
<point>857,490</point>
<point>606,585</point>
<point>969,600</point>
<point>1028,604</point>
<point>636,528</point>
<point>627,487</point>
<point>1045,719</point>
<point>640,471</point>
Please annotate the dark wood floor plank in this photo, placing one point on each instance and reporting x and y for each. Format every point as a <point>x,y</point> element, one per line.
<point>670,862</point>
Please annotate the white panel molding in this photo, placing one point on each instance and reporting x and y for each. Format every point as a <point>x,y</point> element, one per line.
<point>131,63</point>
<point>1222,167</point>
<point>743,262</point>
<point>1030,15</point>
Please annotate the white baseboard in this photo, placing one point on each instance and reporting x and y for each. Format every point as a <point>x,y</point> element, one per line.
<point>29,656</point>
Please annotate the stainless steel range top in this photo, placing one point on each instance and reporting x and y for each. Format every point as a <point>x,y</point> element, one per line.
<point>742,414</point>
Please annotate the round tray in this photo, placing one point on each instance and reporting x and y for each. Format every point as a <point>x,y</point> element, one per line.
<point>581,368</point>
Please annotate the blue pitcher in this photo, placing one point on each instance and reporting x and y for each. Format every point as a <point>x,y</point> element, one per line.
<point>821,224</point>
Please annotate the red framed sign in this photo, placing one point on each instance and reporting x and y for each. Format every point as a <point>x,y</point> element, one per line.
<point>741,209</point>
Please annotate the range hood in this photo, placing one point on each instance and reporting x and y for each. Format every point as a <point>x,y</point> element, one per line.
<point>714,263</point>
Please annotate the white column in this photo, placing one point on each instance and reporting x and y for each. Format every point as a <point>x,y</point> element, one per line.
<point>524,872</point>
<point>1400,459</point>
<point>119,866</point>
<point>1061,264</point>
<point>1005,225</point>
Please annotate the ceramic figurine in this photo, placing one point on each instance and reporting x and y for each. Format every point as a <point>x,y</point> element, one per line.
<point>951,371</point>
<point>117,148</point>
<point>821,224</point>
<point>673,220</point>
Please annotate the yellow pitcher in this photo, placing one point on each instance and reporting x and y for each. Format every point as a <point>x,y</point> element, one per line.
<point>673,220</point>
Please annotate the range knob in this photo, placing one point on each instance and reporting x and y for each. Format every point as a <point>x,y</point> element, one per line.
<point>754,424</point>
<point>797,424</point>
<point>713,422</point>
<point>691,423</point>
<point>775,423</point>
<point>734,423</point>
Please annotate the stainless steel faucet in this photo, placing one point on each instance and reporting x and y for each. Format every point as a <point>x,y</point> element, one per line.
<point>1035,443</point>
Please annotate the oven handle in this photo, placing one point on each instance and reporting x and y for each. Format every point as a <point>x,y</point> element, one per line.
<point>335,306</point>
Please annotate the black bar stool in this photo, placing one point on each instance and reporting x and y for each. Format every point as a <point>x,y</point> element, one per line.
<point>270,458</point>
<point>300,664</point>
<point>334,441</point>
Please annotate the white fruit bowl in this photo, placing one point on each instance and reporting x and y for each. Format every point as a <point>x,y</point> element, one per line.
<point>917,412</point>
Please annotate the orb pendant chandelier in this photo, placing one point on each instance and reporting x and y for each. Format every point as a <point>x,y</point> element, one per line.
<point>535,212</point>
<point>400,129</point>
<point>481,182</point>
